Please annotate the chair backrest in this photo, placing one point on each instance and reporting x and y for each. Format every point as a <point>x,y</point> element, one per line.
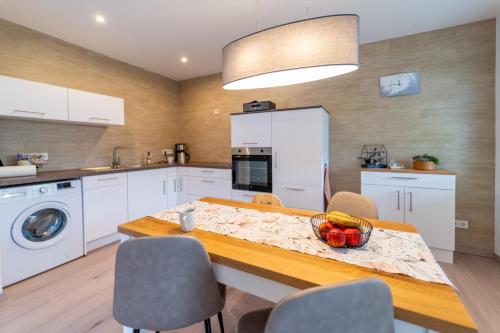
<point>164,283</point>
<point>353,204</point>
<point>354,307</point>
<point>267,199</point>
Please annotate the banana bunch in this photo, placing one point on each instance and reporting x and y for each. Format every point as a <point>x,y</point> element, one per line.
<point>340,218</point>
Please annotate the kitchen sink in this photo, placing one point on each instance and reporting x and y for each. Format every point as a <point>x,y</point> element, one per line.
<point>107,168</point>
<point>97,169</point>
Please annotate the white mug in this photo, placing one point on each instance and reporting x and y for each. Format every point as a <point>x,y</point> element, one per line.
<point>187,219</point>
<point>170,160</point>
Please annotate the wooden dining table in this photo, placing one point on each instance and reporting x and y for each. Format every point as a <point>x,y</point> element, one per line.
<point>273,273</point>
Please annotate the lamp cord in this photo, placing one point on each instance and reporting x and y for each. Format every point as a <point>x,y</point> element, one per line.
<point>258,15</point>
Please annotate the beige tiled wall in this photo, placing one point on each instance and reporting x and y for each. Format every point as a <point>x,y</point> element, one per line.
<point>453,116</point>
<point>151,102</point>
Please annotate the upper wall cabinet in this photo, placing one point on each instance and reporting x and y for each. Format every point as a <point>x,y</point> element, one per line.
<point>28,99</point>
<point>251,130</point>
<point>40,101</point>
<point>96,109</point>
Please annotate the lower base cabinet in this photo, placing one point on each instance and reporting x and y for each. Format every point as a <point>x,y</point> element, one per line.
<point>426,201</point>
<point>299,196</point>
<point>104,204</point>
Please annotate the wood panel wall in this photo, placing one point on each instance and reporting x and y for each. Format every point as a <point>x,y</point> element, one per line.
<point>151,103</point>
<point>453,117</point>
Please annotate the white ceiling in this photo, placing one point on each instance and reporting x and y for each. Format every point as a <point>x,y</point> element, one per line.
<point>154,34</point>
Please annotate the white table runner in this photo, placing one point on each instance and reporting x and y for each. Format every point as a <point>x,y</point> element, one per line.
<point>387,250</point>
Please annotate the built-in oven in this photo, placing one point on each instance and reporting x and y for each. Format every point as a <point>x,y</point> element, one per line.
<point>252,169</point>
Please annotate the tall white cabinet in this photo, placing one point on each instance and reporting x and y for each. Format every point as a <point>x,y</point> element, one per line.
<point>299,140</point>
<point>425,200</point>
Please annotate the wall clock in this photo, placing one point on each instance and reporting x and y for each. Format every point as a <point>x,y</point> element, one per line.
<point>400,84</point>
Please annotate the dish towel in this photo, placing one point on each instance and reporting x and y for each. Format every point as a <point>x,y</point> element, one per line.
<point>326,187</point>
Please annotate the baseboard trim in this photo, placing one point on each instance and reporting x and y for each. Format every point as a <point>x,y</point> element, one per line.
<point>481,253</point>
<point>496,257</point>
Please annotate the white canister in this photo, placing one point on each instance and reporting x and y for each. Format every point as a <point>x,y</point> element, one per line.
<point>187,219</point>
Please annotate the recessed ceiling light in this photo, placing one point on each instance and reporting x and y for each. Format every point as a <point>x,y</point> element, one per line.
<point>184,59</point>
<point>100,19</point>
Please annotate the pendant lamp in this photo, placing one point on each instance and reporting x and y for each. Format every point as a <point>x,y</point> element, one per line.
<point>297,52</point>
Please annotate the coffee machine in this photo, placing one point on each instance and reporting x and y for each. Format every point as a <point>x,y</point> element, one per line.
<point>181,155</point>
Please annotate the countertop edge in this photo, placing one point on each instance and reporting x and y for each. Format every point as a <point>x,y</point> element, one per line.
<point>59,175</point>
<point>443,172</point>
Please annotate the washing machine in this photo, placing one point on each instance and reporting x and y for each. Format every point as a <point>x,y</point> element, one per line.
<point>41,227</point>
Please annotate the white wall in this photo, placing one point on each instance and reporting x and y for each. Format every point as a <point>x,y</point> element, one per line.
<point>497,144</point>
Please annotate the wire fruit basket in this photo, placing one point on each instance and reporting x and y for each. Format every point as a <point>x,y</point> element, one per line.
<point>339,236</point>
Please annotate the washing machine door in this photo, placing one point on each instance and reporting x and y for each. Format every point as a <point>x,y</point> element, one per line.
<point>41,225</point>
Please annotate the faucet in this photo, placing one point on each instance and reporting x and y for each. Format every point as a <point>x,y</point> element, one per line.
<point>116,159</point>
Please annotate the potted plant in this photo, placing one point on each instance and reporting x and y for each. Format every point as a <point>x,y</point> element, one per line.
<point>425,162</point>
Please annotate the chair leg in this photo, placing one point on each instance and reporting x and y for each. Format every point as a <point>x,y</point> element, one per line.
<point>221,322</point>
<point>208,326</point>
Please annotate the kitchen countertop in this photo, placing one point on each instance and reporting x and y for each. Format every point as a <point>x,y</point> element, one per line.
<point>408,170</point>
<point>56,175</point>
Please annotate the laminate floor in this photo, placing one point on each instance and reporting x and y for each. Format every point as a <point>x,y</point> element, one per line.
<point>77,297</point>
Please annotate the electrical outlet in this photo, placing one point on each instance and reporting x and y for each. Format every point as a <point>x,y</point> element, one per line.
<point>462,224</point>
<point>216,112</point>
<point>167,151</point>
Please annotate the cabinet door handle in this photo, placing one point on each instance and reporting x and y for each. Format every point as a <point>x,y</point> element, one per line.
<point>97,118</point>
<point>276,160</point>
<point>27,111</point>
<point>208,181</point>
<point>249,143</point>
<point>295,189</point>
<point>404,178</point>
<point>399,193</point>
<point>164,187</point>
<point>411,202</point>
<point>175,184</point>
<point>247,195</point>
<point>180,184</point>
<point>104,179</point>
<point>207,171</point>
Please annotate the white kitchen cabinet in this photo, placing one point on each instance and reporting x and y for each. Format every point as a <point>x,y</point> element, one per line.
<point>87,107</point>
<point>390,201</point>
<point>300,196</point>
<point>298,154</point>
<point>104,205</point>
<point>32,100</point>
<point>432,212</point>
<point>177,186</point>
<point>425,200</point>
<point>209,182</point>
<point>251,130</point>
<point>240,195</point>
<point>147,192</point>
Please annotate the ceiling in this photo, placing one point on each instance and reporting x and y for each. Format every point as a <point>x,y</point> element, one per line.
<point>155,34</point>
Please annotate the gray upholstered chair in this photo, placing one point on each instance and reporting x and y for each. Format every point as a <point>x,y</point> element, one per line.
<point>353,204</point>
<point>165,283</point>
<point>354,307</point>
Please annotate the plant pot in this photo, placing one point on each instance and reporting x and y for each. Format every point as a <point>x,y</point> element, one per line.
<point>422,165</point>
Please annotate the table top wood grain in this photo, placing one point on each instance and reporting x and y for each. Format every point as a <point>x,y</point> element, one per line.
<point>425,304</point>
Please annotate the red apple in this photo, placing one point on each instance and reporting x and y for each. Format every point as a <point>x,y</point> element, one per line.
<point>323,229</point>
<point>335,237</point>
<point>353,236</point>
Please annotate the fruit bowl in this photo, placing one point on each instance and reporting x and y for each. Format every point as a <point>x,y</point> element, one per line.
<point>340,236</point>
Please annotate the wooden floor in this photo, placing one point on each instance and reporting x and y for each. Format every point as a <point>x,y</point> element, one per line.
<point>77,297</point>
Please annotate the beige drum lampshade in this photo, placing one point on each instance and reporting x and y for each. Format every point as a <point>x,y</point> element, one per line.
<point>296,52</point>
